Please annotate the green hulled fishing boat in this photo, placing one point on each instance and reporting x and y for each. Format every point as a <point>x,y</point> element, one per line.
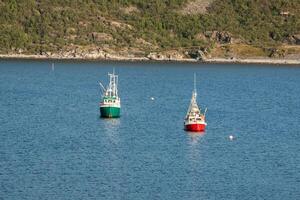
<point>110,104</point>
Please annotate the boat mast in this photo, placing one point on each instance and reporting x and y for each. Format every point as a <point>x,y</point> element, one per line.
<point>113,85</point>
<point>195,89</point>
<point>110,84</point>
<point>116,85</point>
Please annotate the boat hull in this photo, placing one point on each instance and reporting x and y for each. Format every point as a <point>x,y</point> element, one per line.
<point>110,112</point>
<point>195,127</point>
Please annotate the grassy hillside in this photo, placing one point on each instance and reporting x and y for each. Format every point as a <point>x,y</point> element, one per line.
<point>37,26</point>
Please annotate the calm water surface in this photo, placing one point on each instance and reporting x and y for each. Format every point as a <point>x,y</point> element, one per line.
<point>53,145</point>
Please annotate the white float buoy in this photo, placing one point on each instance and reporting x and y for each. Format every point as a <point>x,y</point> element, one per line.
<point>152,98</point>
<point>231,137</point>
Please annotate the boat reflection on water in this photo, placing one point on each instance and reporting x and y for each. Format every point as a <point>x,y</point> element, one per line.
<point>111,128</point>
<point>111,143</point>
<point>195,137</point>
<point>195,157</point>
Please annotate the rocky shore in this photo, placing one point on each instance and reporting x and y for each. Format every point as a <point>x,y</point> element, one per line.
<point>151,57</point>
<point>226,49</point>
<point>255,61</point>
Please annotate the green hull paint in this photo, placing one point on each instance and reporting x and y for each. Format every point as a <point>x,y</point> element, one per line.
<point>110,112</point>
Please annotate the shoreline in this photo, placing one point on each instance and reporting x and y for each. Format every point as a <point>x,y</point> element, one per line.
<point>265,61</point>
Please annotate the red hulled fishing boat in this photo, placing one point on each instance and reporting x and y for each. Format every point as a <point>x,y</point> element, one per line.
<point>195,119</point>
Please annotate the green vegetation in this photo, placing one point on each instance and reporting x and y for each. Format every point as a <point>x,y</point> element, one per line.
<point>37,26</point>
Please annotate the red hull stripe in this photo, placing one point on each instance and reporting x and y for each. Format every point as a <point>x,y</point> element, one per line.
<point>195,127</point>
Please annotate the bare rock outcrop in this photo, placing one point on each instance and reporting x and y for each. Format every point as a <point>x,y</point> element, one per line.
<point>99,37</point>
<point>156,56</point>
<point>297,39</point>
<point>293,39</point>
<point>197,54</point>
<point>221,37</point>
<point>196,7</point>
<point>130,9</point>
<point>200,36</point>
<point>144,43</point>
<point>277,53</point>
<point>172,55</point>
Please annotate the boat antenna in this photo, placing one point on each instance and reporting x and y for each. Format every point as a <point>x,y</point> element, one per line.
<point>102,87</point>
<point>205,111</point>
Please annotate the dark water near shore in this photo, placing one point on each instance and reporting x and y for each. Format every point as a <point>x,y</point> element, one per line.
<point>54,146</point>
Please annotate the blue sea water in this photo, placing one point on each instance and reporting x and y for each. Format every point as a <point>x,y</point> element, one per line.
<point>53,145</point>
